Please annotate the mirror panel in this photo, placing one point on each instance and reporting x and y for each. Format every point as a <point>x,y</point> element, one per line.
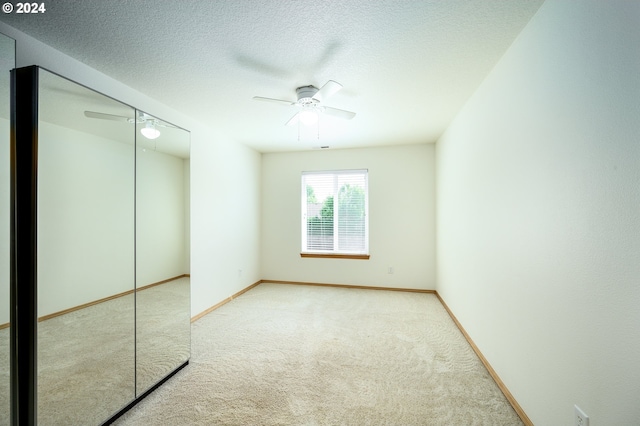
<point>86,307</point>
<point>7,62</point>
<point>162,250</point>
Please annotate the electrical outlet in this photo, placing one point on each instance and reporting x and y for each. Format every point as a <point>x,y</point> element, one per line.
<point>581,418</point>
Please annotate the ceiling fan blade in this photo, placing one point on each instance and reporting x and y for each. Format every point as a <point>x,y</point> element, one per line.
<point>293,120</point>
<point>341,113</point>
<point>102,116</point>
<point>326,55</point>
<point>167,125</point>
<point>262,67</point>
<point>164,124</point>
<point>277,101</point>
<point>328,90</point>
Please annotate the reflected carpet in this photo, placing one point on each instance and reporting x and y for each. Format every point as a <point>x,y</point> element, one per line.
<point>87,358</point>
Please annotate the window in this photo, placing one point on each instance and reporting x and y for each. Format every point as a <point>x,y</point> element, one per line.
<point>335,214</point>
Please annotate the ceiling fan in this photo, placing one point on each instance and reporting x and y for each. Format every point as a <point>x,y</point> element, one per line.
<point>310,102</point>
<point>150,130</point>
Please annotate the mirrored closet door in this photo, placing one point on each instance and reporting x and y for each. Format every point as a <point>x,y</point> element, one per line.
<point>7,63</point>
<point>113,308</point>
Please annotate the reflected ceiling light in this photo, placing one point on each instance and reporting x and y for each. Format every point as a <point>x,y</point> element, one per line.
<point>149,131</point>
<point>308,117</point>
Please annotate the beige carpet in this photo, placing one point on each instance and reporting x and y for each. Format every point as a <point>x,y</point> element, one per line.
<point>304,355</point>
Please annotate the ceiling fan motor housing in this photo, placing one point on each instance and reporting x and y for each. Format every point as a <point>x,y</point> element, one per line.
<point>305,95</point>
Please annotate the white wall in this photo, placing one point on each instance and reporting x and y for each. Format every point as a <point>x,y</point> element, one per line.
<point>401,217</point>
<point>187,215</point>
<point>225,231</point>
<point>538,187</point>
<point>6,63</point>
<point>217,249</point>
<point>85,195</point>
<point>160,217</point>
<point>5,230</point>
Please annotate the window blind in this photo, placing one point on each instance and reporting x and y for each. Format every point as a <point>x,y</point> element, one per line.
<point>335,212</point>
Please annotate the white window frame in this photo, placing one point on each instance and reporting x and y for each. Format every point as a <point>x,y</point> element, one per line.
<point>335,252</point>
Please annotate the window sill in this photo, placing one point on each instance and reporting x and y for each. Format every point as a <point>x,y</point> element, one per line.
<point>336,256</point>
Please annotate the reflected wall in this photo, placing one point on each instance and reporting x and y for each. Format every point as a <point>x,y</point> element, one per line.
<point>7,62</point>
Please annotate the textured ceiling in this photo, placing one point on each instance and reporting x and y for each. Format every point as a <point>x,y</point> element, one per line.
<point>407,67</point>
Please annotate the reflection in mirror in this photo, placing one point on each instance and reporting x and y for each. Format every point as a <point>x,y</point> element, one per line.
<point>7,62</point>
<point>162,250</point>
<point>86,348</point>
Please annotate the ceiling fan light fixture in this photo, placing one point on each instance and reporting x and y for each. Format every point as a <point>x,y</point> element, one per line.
<point>308,117</point>
<point>149,131</point>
